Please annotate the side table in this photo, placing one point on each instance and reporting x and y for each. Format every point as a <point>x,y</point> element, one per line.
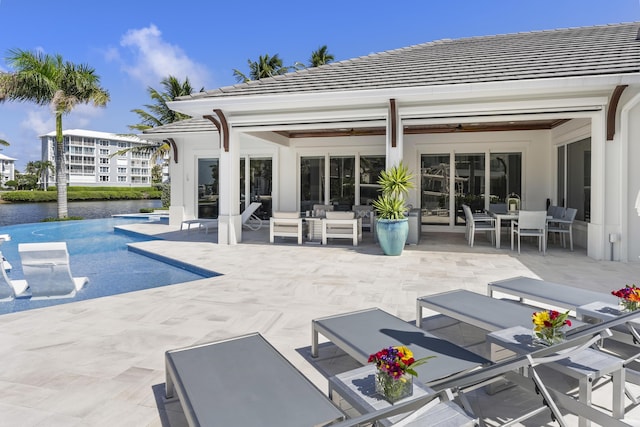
<point>586,366</point>
<point>354,392</point>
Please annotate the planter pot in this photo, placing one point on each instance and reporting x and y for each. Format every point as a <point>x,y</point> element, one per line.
<point>392,235</point>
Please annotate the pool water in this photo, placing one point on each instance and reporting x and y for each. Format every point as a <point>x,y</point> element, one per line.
<point>97,252</point>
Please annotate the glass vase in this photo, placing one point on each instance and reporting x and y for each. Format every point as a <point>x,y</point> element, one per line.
<point>627,306</point>
<point>548,336</point>
<point>393,389</point>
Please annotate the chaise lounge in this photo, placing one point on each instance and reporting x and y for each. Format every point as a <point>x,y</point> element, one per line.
<point>267,390</point>
<point>46,269</point>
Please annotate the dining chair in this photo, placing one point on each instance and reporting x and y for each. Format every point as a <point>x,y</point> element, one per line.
<point>481,222</point>
<point>563,226</point>
<point>533,224</point>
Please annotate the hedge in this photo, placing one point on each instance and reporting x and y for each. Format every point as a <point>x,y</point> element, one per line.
<point>79,195</point>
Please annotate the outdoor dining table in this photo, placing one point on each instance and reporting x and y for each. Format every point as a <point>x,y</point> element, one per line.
<point>500,216</point>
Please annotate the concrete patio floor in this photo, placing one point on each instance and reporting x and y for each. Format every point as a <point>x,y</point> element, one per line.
<point>101,362</point>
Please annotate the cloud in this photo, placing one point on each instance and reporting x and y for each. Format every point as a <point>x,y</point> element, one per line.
<point>152,59</point>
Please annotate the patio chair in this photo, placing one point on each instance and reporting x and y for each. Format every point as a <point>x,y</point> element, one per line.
<point>481,222</point>
<point>365,332</point>
<point>46,269</point>
<point>249,219</point>
<point>341,225</point>
<point>285,224</point>
<point>563,226</point>
<point>531,224</point>
<point>551,293</point>
<point>588,366</point>
<point>320,211</point>
<point>268,390</point>
<point>366,214</point>
<point>11,289</point>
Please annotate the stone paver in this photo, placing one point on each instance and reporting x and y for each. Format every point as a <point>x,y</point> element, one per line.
<point>101,362</point>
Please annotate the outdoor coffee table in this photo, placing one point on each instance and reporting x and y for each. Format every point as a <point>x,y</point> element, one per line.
<point>354,392</point>
<point>586,366</point>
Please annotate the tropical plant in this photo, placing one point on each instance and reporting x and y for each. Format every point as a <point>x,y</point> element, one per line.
<point>3,142</point>
<point>40,169</point>
<point>320,57</point>
<point>265,66</point>
<point>395,184</point>
<point>159,114</point>
<point>50,80</point>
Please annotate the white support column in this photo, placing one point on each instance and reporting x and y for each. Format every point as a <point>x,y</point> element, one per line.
<point>596,228</point>
<point>229,219</point>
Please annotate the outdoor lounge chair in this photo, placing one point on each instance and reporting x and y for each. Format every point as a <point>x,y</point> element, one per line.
<point>285,224</point>
<point>365,332</point>
<point>249,220</point>
<point>555,294</point>
<point>341,225</point>
<point>265,389</point>
<point>481,310</point>
<point>46,269</point>
<point>11,289</point>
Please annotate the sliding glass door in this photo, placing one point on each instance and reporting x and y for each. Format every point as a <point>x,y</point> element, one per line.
<point>466,181</point>
<point>208,188</point>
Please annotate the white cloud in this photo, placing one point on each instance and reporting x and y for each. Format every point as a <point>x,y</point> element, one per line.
<point>152,59</point>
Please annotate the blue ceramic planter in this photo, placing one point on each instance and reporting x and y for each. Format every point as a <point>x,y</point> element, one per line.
<point>392,235</point>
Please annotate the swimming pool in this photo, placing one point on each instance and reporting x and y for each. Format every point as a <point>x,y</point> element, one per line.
<point>97,252</point>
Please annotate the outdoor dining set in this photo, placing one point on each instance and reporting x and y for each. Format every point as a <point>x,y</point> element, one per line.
<point>271,391</point>
<point>555,221</point>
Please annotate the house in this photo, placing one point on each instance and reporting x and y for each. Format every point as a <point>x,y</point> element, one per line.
<point>550,116</point>
<point>7,169</point>
<point>90,158</point>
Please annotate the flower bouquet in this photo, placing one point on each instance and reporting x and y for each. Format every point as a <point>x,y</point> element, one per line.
<point>548,326</point>
<point>395,372</point>
<point>629,297</point>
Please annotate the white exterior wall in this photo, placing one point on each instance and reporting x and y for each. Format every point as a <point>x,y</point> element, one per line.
<point>629,135</point>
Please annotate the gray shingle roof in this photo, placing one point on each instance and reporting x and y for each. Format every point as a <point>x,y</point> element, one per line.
<point>586,51</point>
<point>184,126</point>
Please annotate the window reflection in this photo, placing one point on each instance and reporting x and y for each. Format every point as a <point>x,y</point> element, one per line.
<point>208,188</point>
<point>370,168</point>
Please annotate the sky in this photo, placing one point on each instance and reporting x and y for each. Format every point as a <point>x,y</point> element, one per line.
<point>134,44</point>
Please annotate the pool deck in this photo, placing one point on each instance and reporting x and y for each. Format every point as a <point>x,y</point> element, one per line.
<point>100,362</point>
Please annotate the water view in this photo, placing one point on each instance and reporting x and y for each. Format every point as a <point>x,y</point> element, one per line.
<point>25,213</point>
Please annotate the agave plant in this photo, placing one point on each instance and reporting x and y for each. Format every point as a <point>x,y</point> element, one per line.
<point>395,185</point>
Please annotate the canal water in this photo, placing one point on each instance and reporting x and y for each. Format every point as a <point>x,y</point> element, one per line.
<point>25,213</point>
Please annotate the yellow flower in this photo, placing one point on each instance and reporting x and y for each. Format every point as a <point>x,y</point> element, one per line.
<point>405,351</point>
<point>539,318</point>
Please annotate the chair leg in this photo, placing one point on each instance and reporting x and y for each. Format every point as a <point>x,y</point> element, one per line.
<point>571,238</point>
<point>519,243</point>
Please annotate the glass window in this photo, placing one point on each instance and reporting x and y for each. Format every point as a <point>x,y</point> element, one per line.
<point>208,188</point>
<point>506,176</point>
<point>311,182</point>
<point>435,171</point>
<point>370,168</point>
<point>261,179</point>
<point>342,182</point>
<point>469,178</point>
<point>579,178</point>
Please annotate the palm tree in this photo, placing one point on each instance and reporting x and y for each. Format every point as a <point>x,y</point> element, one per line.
<point>159,114</point>
<point>265,66</point>
<point>50,80</point>
<point>4,143</point>
<point>40,169</point>
<point>320,57</point>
